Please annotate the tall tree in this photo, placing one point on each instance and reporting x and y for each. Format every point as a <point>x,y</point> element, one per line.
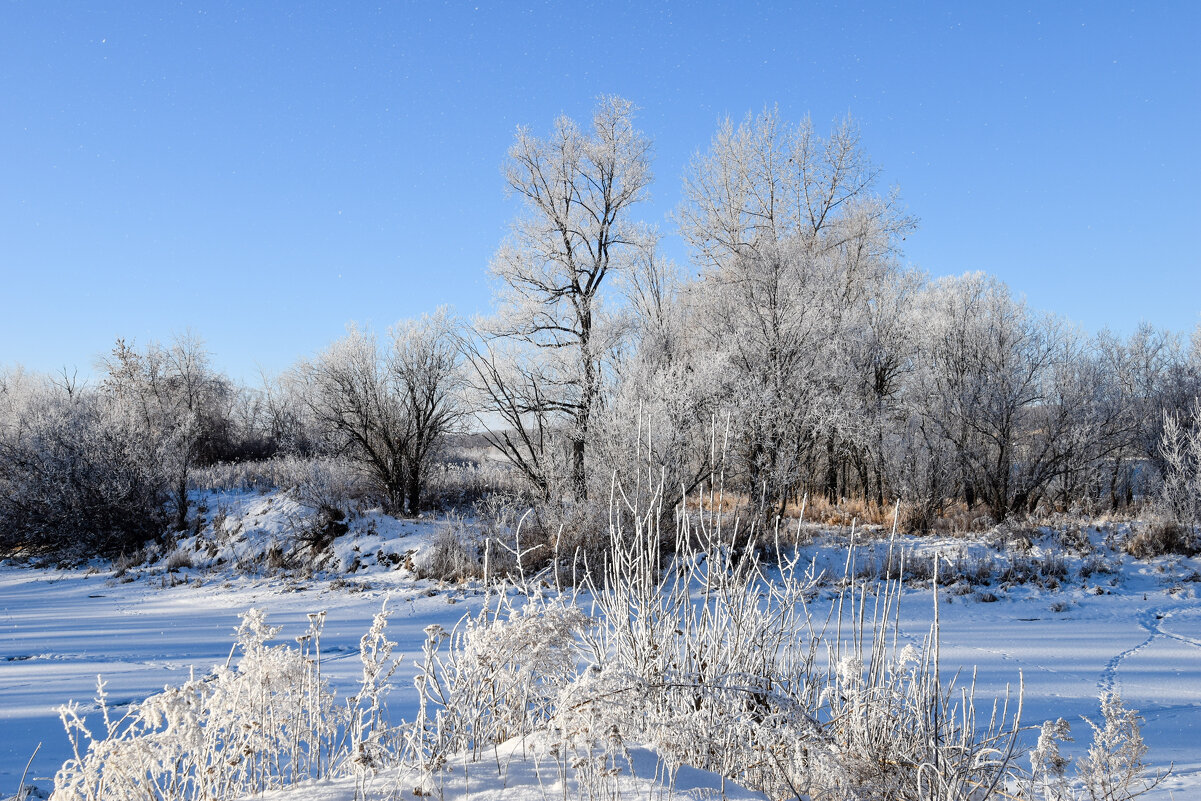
<point>577,188</point>
<point>997,384</point>
<point>355,401</point>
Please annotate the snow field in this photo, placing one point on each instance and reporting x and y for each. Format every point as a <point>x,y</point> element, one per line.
<point>59,629</point>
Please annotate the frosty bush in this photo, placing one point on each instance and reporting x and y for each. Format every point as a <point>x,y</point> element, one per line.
<point>745,682</point>
<point>1180,448</point>
<point>453,554</point>
<point>75,476</point>
<point>714,661</point>
<point>500,679</point>
<point>269,722</point>
<point>1159,538</point>
<point>474,479</point>
<point>699,651</point>
<point>1111,770</point>
<point>315,481</point>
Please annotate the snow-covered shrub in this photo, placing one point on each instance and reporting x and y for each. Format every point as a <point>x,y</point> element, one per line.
<point>313,533</point>
<point>499,679</point>
<point>1180,448</point>
<point>268,722</point>
<point>1073,537</point>
<point>178,560</point>
<point>1160,538</point>
<point>1047,780</point>
<point>455,553</point>
<point>371,744</point>
<point>553,540</point>
<point>530,539</point>
<point>315,481</point>
<point>691,647</point>
<point>322,483</point>
<point>459,482</point>
<point>75,476</point>
<point>1111,770</point>
<point>1096,563</point>
<point>718,664</point>
<point>254,476</point>
<point>714,661</point>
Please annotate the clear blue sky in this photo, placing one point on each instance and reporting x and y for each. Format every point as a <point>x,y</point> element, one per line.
<point>265,173</point>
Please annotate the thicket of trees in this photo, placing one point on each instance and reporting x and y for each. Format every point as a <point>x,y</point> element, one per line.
<point>798,356</point>
<point>104,468</point>
<point>817,361</point>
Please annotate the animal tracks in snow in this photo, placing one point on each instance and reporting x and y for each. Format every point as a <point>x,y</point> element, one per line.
<point>1152,621</point>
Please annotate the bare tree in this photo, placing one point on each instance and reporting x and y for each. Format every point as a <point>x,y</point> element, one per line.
<point>577,187</point>
<point>659,413</point>
<point>390,409</point>
<point>426,362</point>
<point>999,383</point>
<point>1181,451</point>
<point>881,350</point>
<point>76,475</point>
<point>517,406</point>
<point>764,182</point>
<point>356,401</point>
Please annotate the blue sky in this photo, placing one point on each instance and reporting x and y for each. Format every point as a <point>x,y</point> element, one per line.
<point>265,173</point>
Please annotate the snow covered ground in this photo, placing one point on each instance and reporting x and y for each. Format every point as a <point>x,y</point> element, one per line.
<point>1136,629</point>
<point>513,774</point>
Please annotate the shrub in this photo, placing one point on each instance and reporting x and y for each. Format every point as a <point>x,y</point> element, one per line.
<point>1111,769</point>
<point>701,652</point>
<point>178,560</point>
<point>461,482</point>
<point>76,480</point>
<point>1180,447</point>
<point>556,541</point>
<point>454,554</point>
<point>1095,563</point>
<point>731,682</point>
<point>1074,538</point>
<point>315,533</point>
<point>266,723</point>
<point>314,481</point>
<point>1160,539</point>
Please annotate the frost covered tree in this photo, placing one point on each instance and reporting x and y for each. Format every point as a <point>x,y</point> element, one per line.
<point>1159,379</point>
<point>1181,452</point>
<point>538,361</point>
<point>389,408</point>
<point>881,351</point>
<point>355,402</point>
<point>176,401</point>
<point>792,240</point>
<point>427,364</point>
<point>998,383</point>
<point>661,413</point>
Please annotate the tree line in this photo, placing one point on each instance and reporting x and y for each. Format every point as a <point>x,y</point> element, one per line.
<point>796,356</point>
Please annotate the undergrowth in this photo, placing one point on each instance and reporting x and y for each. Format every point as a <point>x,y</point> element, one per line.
<point>681,641</point>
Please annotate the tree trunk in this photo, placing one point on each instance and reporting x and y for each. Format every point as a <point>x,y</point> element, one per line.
<point>588,392</point>
<point>831,471</point>
<point>1113,484</point>
<point>413,489</point>
<point>181,502</point>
